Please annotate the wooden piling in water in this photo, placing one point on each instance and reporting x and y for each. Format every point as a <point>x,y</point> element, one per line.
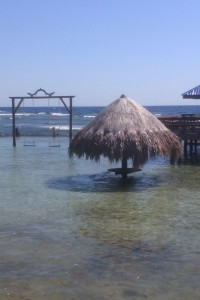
<point>186,127</point>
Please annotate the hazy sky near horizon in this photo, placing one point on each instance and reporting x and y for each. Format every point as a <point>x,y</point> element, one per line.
<point>100,49</point>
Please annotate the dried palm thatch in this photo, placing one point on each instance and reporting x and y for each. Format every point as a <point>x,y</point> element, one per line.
<point>125,130</point>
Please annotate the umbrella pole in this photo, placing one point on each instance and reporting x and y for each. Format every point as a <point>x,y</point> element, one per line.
<point>124,168</point>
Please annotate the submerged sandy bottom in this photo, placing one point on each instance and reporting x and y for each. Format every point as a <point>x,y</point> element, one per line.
<point>71,230</point>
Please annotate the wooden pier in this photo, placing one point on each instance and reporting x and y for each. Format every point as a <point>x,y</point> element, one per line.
<point>186,127</point>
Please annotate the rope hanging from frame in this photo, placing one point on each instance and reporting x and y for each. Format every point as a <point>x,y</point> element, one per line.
<point>29,139</point>
<point>54,136</point>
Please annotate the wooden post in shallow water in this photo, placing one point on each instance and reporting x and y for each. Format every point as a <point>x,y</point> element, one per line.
<point>13,122</point>
<point>70,119</point>
<point>124,168</point>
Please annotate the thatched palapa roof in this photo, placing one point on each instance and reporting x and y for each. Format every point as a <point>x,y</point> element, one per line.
<point>125,130</point>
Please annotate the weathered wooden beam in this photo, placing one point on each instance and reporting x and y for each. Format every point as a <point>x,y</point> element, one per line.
<point>48,96</point>
<point>13,122</point>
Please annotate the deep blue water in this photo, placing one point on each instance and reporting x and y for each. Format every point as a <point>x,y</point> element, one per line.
<point>39,121</point>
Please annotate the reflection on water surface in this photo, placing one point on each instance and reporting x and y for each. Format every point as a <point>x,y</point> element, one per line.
<point>71,230</point>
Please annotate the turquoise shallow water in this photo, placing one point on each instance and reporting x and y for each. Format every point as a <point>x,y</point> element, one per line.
<point>71,230</point>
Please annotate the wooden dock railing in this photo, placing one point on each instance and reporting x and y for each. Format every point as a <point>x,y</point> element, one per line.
<point>186,127</point>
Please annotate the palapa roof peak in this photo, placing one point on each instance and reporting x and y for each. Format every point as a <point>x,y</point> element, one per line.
<point>125,130</point>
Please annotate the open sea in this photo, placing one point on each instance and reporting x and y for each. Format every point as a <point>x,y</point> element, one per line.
<point>71,230</point>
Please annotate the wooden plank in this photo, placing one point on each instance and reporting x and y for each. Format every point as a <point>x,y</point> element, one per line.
<point>124,171</point>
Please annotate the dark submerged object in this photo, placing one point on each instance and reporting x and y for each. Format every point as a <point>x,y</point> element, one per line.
<point>125,130</point>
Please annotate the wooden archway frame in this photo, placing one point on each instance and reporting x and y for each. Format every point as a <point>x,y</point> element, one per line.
<point>34,96</point>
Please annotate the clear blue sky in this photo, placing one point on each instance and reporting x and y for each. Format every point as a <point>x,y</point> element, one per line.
<point>100,49</point>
